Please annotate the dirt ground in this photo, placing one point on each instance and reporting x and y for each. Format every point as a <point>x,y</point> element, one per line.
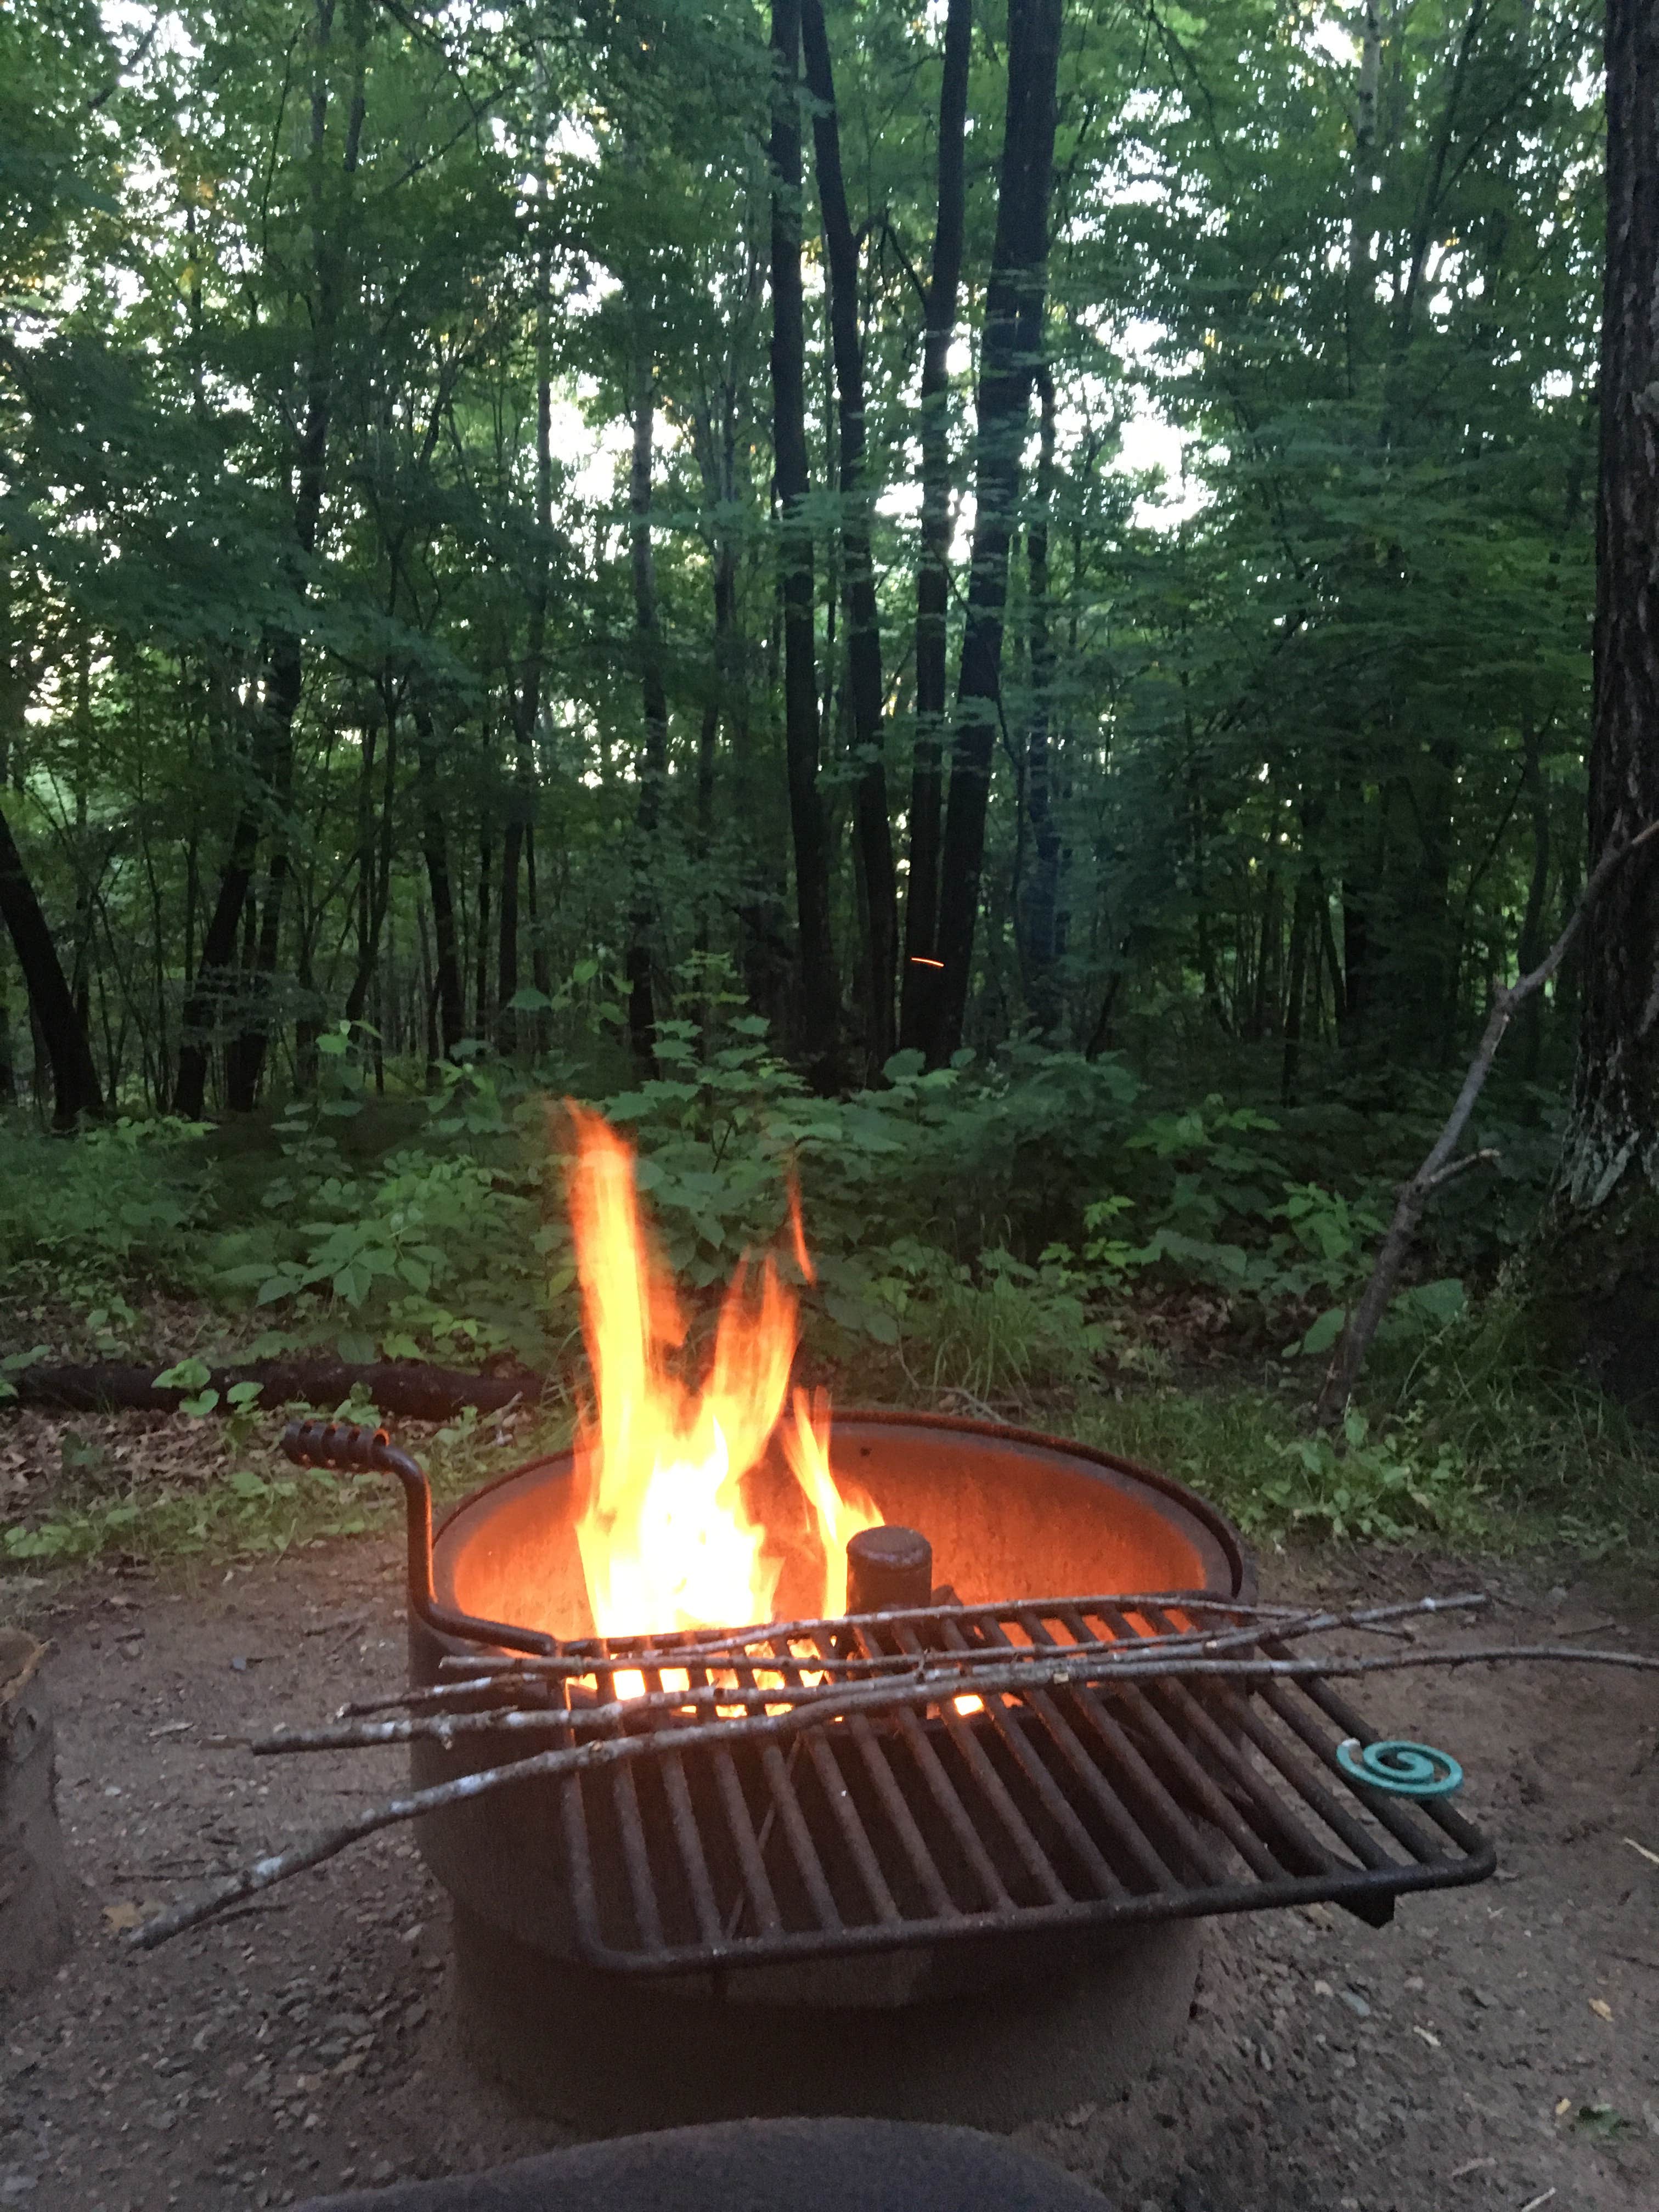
<point>1497,2047</point>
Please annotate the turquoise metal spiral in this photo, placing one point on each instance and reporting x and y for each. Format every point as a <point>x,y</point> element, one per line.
<point>1405,1769</point>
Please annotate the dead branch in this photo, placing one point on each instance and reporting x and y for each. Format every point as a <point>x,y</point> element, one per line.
<point>1036,1671</point>
<point>1440,1168</point>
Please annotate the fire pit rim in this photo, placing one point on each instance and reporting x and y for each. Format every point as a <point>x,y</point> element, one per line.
<point>1239,1564</point>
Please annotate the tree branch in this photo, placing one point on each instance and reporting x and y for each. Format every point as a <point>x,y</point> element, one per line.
<point>1439,1167</point>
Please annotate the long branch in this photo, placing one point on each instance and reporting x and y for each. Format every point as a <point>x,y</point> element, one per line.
<point>1362,1325</point>
<point>1019,1679</point>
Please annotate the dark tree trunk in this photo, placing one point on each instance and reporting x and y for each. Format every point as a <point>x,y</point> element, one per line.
<point>874,839</point>
<point>818,993</point>
<point>481,975</point>
<point>653,699</point>
<point>75,1087</point>
<point>375,864</point>
<point>1041,900</point>
<point>527,705</point>
<point>1532,946</point>
<point>285,676</point>
<point>1296,993</point>
<point>1010,352</point>
<point>1612,1132</point>
<point>435,846</point>
<point>919,992</point>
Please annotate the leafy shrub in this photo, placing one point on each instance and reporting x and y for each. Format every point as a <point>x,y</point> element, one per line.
<point>115,1204</point>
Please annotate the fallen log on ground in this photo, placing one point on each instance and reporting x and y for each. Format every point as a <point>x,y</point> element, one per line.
<point>403,1387</point>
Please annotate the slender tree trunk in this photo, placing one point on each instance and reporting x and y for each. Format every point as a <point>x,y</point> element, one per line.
<point>75,1088</point>
<point>284,661</point>
<point>653,759</point>
<point>521,800</point>
<point>873,831</point>
<point>435,844</point>
<point>1532,945</point>
<point>481,975</point>
<point>1361,272</point>
<point>919,993</point>
<point>1041,899</point>
<point>1302,924</point>
<point>819,996</point>
<point>374,866</point>
<point>1010,352</point>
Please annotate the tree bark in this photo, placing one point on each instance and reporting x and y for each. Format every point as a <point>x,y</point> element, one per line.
<point>452,1004</point>
<point>1041,902</point>
<point>284,661</point>
<point>1010,352</point>
<point>75,1088</point>
<point>1612,1132</point>
<point>919,991</point>
<point>654,700</point>
<point>873,831</point>
<point>819,995</point>
<point>527,704</point>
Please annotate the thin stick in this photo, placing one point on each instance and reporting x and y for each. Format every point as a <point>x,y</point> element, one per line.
<point>863,1699</point>
<point>593,1656</point>
<point>1439,1167</point>
<point>1115,1655</point>
<point>1284,1623</point>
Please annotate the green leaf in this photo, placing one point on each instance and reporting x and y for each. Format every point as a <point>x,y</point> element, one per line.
<point>529,1001</point>
<point>354,1347</point>
<point>1324,1333</point>
<point>188,1375</point>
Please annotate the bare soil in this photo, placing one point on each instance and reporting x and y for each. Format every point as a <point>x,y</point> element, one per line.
<point>1497,2047</point>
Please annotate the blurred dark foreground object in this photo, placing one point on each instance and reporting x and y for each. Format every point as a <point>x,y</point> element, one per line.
<point>755,2166</point>
<point>34,1882</point>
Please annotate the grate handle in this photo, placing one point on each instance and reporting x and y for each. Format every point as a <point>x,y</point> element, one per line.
<point>352,1446</point>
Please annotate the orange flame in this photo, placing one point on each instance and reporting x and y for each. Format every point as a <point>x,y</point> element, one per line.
<point>666,1536</point>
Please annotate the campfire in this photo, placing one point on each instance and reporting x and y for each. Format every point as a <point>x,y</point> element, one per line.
<point>669,1535</point>
<point>732,1705</point>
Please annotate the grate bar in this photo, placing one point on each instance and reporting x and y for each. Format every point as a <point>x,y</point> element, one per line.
<point>1051,1796</point>
<point>1125,1829</point>
<point>1105,1800</point>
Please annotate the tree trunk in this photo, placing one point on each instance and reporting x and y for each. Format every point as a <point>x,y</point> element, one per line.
<point>919,992</point>
<point>435,843</point>
<point>1041,899</point>
<point>527,705</point>
<point>1612,1133</point>
<point>819,996</point>
<point>874,840</point>
<point>374,866</point>
<point>75,1085</point>
<point>653,761</point>
<point>284,661</point>
<point>1532,945</point>
<point>1009,354</point>
<point>1603,1231</point>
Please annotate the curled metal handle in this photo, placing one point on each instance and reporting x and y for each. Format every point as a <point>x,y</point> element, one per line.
<point>352,1446</point>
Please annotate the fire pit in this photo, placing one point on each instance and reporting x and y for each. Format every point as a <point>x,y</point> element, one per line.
<point>887,1768</point>
<point>602,1947</point>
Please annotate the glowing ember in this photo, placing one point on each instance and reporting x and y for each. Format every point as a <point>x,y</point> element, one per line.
<point>667,1538</point>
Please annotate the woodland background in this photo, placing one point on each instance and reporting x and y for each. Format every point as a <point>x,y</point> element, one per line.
<point>615,549</point>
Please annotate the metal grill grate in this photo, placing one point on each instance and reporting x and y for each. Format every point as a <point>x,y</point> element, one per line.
<point>1100,1801</point>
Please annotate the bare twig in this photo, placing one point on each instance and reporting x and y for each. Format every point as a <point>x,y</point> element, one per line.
<point>1051,1671</point>
<point>1439,1167</point>
<point>723,1645</point>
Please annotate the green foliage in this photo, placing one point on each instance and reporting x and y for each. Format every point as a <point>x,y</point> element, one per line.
<point>120,1204</point>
